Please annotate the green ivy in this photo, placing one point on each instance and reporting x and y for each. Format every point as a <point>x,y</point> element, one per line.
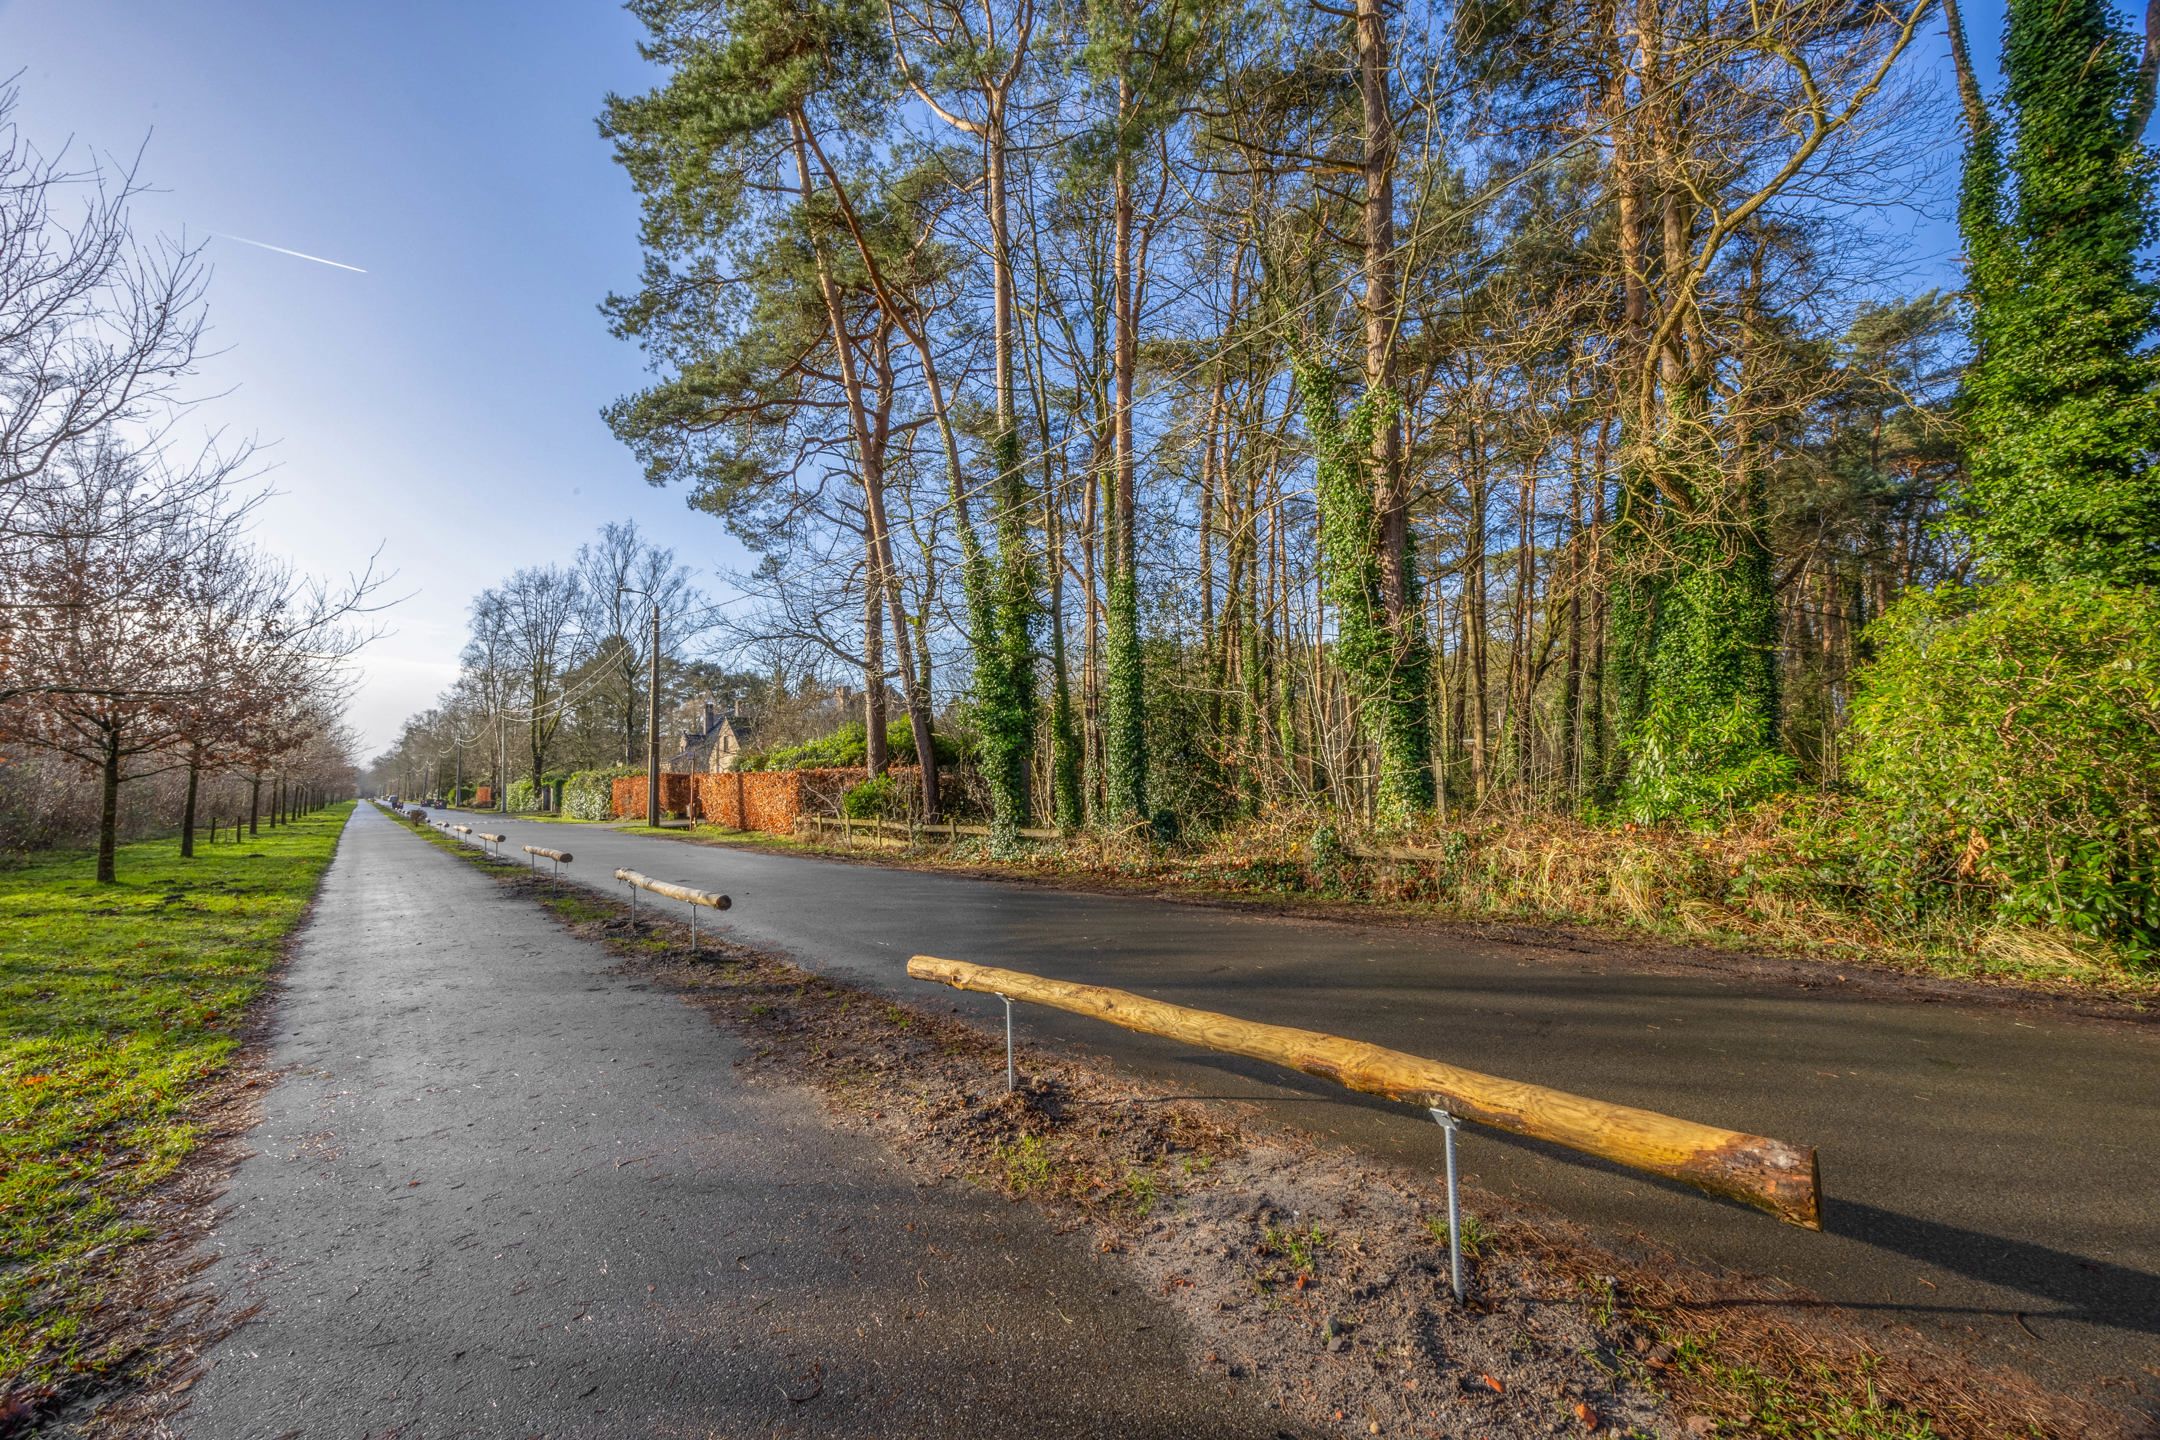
<point>1005,656</point>
<point>1693,646</point>
<point>2061,403</point>
<point>1125,756</point>
<point>1387,668</point>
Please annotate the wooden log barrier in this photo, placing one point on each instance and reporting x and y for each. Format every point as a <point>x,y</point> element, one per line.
<point>561,857</point>
<point>683,893</point>
<point>462,829</point>
<point>1768,1174</point>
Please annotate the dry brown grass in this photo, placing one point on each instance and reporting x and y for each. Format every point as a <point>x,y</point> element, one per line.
<point>1776,878</point>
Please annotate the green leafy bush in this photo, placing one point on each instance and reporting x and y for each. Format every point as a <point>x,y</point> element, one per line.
<point>524,795</point>
<point>590,794</point>
<point>2008,747</point>
<point>845,748</point>
<point>879,799</point>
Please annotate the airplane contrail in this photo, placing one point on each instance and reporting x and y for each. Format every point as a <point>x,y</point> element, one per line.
<point>296,254</point>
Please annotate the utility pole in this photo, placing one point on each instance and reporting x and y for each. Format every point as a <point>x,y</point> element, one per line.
<point>652,709</point>
<point>652,726</point>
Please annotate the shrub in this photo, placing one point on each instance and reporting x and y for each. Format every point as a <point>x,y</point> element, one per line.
<point>524,795</point>
<point>2007,743</point>
<point>846,748</point>
<point>878,799</point>
<point>590,794</point>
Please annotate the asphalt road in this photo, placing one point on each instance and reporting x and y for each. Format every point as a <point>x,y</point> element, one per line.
<point>504,1193</point>
<point>1992,1172</point>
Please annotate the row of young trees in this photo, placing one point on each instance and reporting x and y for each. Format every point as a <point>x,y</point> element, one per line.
<point>1484,405</point>
<point>141,633</point>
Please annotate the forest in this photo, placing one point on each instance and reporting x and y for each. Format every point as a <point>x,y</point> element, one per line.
<point>1429,424</point>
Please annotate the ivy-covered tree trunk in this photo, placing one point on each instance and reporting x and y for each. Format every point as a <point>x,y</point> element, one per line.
<point>1065,803</point>
<point>1388,669</point>
<point>1004,644</point>
<point>1007,693</point>
<point>1124,688</point>
<point>2060,407</point>
<point>1692,646</point>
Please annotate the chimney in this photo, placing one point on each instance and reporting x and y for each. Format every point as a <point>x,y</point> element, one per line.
<point>709,717</point>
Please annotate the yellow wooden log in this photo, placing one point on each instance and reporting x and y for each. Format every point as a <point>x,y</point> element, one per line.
<point>675,892</point>
<point>492,839</point>
<point>1768,1174</point>
<point>462,829</point>
<point>546,854</point>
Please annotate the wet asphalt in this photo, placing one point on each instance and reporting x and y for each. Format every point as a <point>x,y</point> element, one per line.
<point>1991,1172</point>
<point>501,1192</point>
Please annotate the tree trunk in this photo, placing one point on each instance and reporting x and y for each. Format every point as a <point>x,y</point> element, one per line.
<point>870,440</point>
<point>109,809</point>
<point>874,756</point>
<point>1125,717</point>
<point>187,811</point>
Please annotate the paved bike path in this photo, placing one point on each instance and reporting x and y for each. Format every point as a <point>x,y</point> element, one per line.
<point>501,1192</point>
<point>1990,1170</point>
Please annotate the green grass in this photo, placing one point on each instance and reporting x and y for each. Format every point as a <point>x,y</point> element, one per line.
<point>119,1004</point>
<point>1474,1233</point>
<point>1027,1163</point>
<point>1823,1405</point>
<point>1302,1248</point>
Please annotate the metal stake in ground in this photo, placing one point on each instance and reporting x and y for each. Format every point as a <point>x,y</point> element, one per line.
<point>1448,1126</point>
<point>1011,1079</point>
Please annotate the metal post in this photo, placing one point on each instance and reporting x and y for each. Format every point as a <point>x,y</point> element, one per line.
<point>1011,1077</point>
<point>1448,1126</point>
<point>652,725</point>
<point>693,929</point>
<point>633,905</point>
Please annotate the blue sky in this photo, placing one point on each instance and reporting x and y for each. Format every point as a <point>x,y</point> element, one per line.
<point>447,401</point>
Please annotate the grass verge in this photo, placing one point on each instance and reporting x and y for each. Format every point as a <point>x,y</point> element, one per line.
<point>120,1007</point>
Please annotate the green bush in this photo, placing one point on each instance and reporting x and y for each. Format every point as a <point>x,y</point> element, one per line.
<point>590,794</point>
<point>2007,746</point>
<point>845,748</point>
<point>524,795</point>
<point>879,799</point>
